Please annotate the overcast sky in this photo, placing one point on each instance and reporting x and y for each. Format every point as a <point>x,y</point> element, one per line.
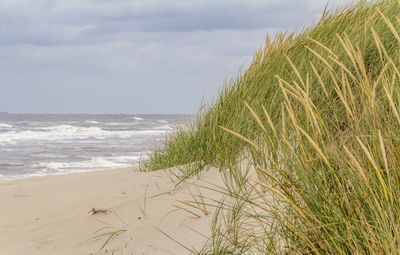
<point>133,56</point>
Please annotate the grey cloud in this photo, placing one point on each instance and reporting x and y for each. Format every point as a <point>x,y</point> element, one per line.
<point>74,22</point>
<point>123,56</point>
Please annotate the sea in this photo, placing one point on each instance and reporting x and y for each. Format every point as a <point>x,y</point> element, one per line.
<point>52,144</point>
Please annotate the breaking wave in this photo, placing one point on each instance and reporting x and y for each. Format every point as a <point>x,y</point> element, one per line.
<point>91,121</point>
<point>92,164</point>
<point>5,125</point>
<point>68,132</point>
<point>137,118</point>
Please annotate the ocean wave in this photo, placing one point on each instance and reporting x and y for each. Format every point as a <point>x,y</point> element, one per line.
<point>137,118</point>
<point>162,121</point>
<point>126,159</point>
<point>118,124</point>
<point>164,127</point>
<point>59,168</point>
<point>5,125</point>
<point>94,163</point>
<point>11,164</point>
<point>47,155</point>
<point>91,122</point>
<point>68,132</point>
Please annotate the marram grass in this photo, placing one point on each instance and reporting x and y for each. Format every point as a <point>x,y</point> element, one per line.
<point>317,114</point>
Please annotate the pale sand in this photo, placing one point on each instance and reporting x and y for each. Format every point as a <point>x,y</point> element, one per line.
<point>49,215</point>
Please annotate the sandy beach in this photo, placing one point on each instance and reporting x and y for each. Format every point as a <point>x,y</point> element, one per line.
<point>63,214</point>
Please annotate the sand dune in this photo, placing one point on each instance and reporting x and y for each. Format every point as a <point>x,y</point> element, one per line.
<point>50,215</point>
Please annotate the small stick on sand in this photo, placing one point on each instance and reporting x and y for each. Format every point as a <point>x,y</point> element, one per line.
<point>96,211</point>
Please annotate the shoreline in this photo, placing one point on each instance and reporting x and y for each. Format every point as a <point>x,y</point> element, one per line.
<point>133,168</point>
<point>54,214</point>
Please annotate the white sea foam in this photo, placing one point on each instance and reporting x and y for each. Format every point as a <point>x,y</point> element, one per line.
<point>47,155</point>
<point>5,125</point>
<point>137,118</point>
<point>163,121</point>
<point>118,124</point>
<point>94,163</point>
<point>91,121</point>
<point>126,159</point>
<point>57,168</point>
<point>163,127</point>
<point>68,132</point>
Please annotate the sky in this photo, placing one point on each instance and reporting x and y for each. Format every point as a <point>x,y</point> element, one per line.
<point>133,56</point>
